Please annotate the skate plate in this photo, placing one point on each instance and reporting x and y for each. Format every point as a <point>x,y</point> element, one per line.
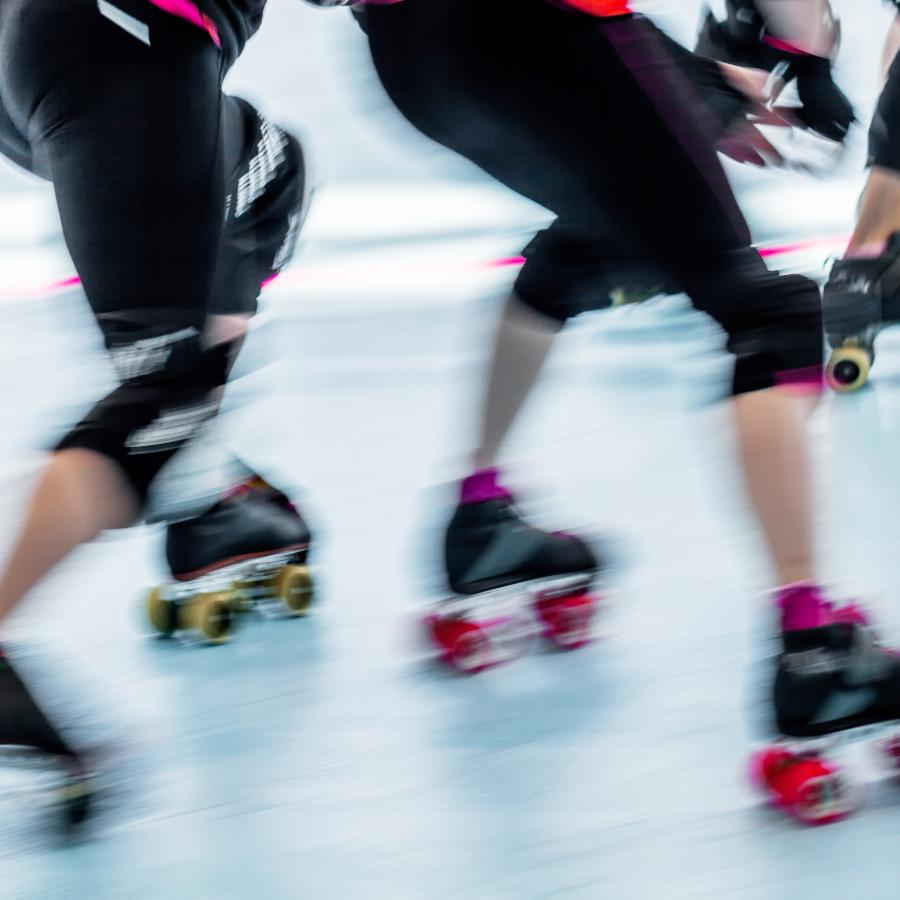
<point>473,633</point>
<point>802,777</point>
<point>206,608</point>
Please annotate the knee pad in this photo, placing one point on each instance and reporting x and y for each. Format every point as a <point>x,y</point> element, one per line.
<point>170,387</point>
<point>774,326</point>
<point>564,275</point>
<point>266,206</point>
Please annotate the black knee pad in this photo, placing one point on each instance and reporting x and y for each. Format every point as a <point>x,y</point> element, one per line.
<point>266,206</point>
<point>565,275</point>
<point>170,386</point>
<point>773,322</point>
<point>884,132</point>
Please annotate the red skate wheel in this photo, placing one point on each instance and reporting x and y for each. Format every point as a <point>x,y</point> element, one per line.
<point>567,620</point>
<point>464,644</point>
<point>810,788</point>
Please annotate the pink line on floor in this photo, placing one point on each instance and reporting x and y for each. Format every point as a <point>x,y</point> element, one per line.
<point>305,273</point>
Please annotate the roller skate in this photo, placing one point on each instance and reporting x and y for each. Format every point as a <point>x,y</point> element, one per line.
<point>26,735</point>
<point>248,551</point>
<point>833,683</point>
<point>862,296</point>
<point>511,582</point>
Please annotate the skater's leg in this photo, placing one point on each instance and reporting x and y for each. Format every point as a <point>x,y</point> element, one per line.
<point>522,343</point>
<point>774,452</point>
<point>269,192</point>
<point>64,512</point>
<point>664,184</point>
<point>879,215</point>
<point>143,230</point>
<point>891,46</point>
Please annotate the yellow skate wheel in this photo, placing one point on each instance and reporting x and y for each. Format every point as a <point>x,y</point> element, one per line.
<point>848,368</point>
<point>161,612</point>
<point>211,615</point>
<point>294,585</point>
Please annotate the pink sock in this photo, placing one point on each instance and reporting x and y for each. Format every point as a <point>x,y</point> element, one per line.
<point>482,486</point>
<point>803,606</point>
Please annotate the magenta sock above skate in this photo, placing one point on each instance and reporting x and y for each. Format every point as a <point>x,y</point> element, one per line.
<point>802,605</point>
<point>482,486</point>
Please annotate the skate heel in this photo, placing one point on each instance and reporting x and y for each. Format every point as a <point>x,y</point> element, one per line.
<point>566,618</point>
<point>811,788</point>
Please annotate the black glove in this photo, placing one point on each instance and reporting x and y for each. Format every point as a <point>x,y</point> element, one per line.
<point>825,109</point>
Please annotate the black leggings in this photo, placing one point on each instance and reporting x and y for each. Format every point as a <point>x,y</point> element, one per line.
<point>591,119</point>
<point>165,191</point>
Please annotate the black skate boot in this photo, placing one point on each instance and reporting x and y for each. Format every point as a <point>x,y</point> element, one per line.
<point>492,558</point>
<point>249,548</point>
<point>24,727</point>
<point>834,678</point>
<point>862,296</point>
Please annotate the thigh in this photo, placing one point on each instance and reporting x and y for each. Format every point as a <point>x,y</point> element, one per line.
<point>131,136</point>
<point>591,118</point>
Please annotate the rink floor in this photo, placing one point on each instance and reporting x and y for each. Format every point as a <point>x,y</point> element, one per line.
<point>327,758</point>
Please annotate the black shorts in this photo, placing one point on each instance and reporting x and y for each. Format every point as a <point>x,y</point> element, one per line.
<point>147,156</point>
<point>884,132</point>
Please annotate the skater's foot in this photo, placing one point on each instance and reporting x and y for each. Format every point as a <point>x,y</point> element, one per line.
<point>832,674</point>
<point>24,726</point>
<point>488,545</point>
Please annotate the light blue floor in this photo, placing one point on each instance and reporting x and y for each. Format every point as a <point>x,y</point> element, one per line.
<point>326,758</point>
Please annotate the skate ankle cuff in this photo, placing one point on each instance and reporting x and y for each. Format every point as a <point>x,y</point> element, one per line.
<point>482,486</point>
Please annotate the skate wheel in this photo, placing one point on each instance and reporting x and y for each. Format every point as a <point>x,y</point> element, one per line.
<point>848,368</point>
<point>211,615</point>
<point>810,788</point>
<point>294,585</point>
<point>162,612</point>
<point>464,645</point>
<point>567,620</point>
